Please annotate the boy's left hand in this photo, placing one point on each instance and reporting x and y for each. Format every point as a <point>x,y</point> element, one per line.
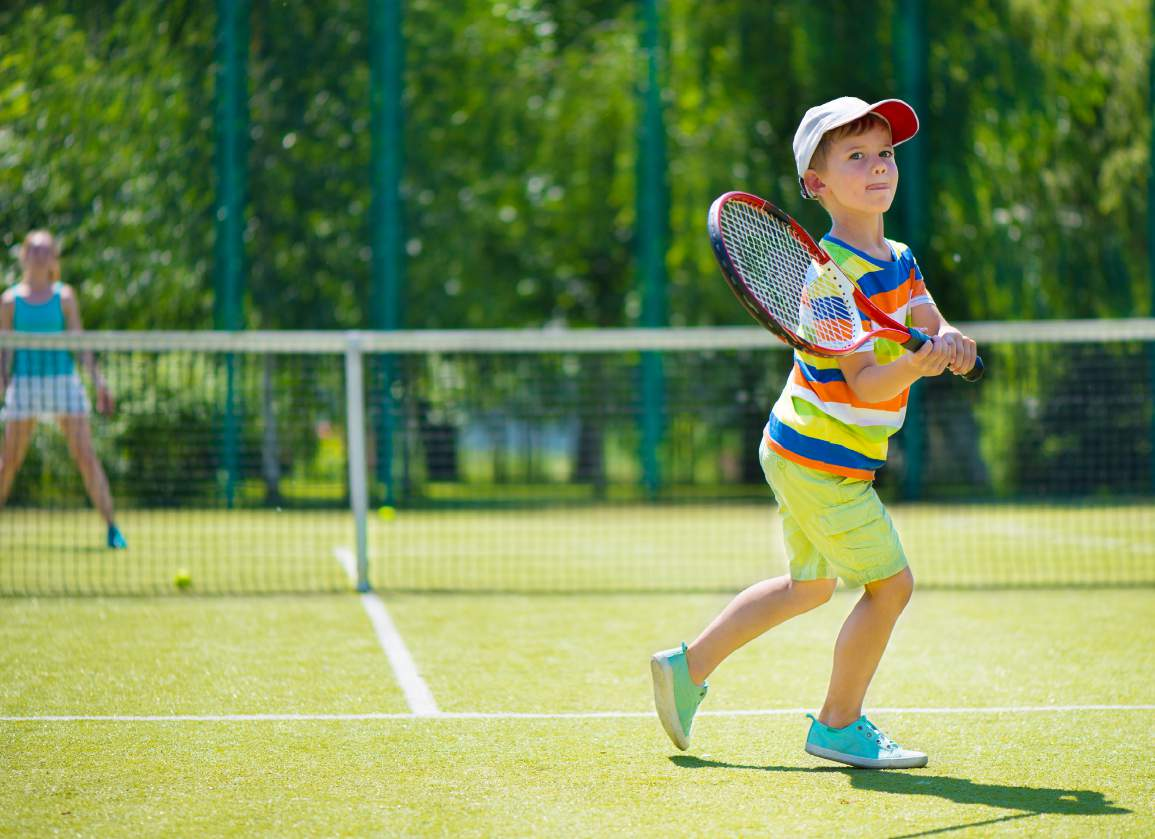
<point>963,351</point>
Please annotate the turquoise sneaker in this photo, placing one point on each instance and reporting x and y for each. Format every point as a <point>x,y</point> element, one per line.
<point>116,541</point>
<point>860,744</point>
<point>675,694</point>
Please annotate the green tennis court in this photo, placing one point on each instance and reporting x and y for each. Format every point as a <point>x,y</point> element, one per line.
<point>282,715</point>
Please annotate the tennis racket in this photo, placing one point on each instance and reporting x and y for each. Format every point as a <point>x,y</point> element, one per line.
<point>793,287</point>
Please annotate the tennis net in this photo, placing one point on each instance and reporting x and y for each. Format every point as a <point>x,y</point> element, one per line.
<point>603,460</point>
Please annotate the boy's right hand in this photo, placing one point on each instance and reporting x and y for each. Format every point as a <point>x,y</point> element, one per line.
<point>932,358</point>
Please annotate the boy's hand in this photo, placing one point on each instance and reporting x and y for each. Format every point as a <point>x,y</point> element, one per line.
<point>963,351</point>
<point>932,357</point>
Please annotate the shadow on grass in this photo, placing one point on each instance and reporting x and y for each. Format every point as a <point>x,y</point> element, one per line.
<point>1032,801</point>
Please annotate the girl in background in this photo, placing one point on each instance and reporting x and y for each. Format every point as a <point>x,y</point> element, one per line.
<point>44,384</point>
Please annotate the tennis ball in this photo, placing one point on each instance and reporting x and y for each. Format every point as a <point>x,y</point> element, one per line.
<point>182,579</point>
<point>386,513</point>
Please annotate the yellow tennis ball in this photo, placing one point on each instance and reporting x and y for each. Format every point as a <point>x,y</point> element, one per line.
<point>182,579</point>
<point>386,513</point>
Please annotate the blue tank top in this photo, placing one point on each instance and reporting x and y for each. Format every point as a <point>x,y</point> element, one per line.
<point>41,317</point>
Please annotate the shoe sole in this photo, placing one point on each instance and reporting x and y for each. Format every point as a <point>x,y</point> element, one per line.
<point>866,762</point>
<point>664,701</point>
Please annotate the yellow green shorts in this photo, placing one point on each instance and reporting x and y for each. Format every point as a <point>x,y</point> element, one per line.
<point>833,526</point>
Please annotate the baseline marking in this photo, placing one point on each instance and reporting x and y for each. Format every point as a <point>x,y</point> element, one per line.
<point>417,693</point>
<point>509,715</point>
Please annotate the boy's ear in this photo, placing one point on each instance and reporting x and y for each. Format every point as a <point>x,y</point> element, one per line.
<point>814,183</point>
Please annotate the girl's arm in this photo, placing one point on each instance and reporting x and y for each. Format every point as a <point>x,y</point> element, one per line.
<point>6,309</point>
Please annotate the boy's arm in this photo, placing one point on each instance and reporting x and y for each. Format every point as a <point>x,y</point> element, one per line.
<point>874,382</point>
<point>963,350</point>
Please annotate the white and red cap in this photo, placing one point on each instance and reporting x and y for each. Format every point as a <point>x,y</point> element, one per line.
<point>901,118</point>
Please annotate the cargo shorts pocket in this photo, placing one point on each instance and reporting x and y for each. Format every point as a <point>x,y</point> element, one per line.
<point>859,527</point>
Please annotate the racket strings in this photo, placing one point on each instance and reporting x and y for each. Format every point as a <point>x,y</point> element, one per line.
<point>817,306</point>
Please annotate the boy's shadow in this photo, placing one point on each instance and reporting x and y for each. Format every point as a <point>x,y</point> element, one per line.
<point>1031,800</point>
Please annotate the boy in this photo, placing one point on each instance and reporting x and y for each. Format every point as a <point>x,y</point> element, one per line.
<point>826,436</point>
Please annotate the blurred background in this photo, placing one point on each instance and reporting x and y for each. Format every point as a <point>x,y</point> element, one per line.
<point>519,127</point>
<point>344,165</point>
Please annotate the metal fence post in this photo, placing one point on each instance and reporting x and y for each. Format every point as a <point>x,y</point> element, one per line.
<point>355,443</point>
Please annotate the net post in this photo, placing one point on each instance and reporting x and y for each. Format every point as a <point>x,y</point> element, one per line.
<point>355,451</point>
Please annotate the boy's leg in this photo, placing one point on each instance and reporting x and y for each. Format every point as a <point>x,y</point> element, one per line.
<point>680,674</point>
<point>759,608</point>
<point>860,645</point>
<point>841,733</point>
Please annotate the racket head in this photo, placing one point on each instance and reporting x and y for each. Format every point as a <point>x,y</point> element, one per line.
<point>793,288</point>
<point>784,279</point>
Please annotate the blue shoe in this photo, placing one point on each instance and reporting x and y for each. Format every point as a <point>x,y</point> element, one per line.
<point>860,744</point>
<point>116,541</point>
<point>675,694</point>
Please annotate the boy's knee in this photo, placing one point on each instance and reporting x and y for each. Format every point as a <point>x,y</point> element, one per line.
<point>895,591</point>
<point>813,593</point>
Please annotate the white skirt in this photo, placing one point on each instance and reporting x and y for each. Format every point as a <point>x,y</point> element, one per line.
<point>44,397</point>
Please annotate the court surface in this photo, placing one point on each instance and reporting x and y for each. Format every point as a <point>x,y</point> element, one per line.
<point>602,547</point>
<point>497,714</point>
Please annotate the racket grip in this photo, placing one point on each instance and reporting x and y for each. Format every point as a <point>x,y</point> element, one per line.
<point>918,338</point>
<point>976,372</point>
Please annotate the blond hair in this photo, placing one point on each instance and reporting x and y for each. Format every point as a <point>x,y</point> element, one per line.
<point>41,232</point>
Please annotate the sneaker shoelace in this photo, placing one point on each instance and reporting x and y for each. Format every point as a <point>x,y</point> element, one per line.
<point>881,739</point>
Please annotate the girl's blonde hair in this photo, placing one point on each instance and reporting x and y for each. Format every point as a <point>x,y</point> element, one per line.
<point>32,234</point>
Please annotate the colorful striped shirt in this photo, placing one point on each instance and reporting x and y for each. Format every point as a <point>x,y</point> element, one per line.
<point>818,421</point>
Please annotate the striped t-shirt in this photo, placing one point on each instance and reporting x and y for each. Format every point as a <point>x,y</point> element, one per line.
<point>818,421</point>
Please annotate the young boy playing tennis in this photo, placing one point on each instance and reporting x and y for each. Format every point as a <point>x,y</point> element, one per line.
<point>826,436</point>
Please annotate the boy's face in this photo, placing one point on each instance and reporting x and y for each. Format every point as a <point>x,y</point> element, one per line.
<point>859,173</point>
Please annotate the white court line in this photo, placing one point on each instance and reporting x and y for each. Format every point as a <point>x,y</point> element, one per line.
<point>417,693</point>
<point>348,562</point>
<point>509,715</point>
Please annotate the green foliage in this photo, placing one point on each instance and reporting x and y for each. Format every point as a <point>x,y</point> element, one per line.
<point>521,147</point>
<point>106,138</point>
<point>1040,130</point>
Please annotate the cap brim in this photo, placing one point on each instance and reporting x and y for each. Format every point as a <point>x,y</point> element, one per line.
<point>902,118</point>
